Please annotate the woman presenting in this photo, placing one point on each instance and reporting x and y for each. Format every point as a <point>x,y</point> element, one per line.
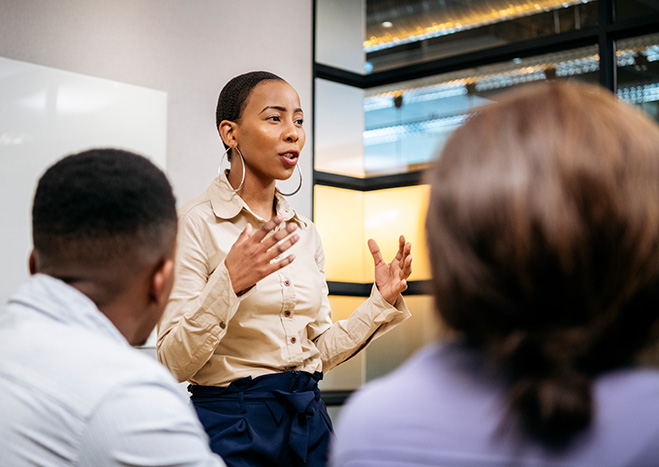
<point>249,323</point>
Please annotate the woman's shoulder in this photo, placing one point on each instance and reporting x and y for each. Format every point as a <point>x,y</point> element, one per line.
<point>196,209</point>
<point>627,390</point>
<point>409,377</point>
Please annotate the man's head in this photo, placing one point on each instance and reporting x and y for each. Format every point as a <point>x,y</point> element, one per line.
<point>104,221</point>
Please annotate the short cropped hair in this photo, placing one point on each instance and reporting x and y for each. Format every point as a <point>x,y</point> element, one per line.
<point>234,95</point>
<point>543,232</point>
<point>99,204</point>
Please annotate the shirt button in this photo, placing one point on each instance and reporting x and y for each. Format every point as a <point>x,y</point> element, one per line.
<point>293,340</point>
<point>287,313</point>
<point>223,324</point>
<point>287,282</point>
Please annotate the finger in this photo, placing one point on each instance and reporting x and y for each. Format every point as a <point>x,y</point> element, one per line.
<point>398,288</point>
<point>267,228</point>
<point>406,270</point>
<point>281,234</point>
<point>401,248</point>
<point>375,251</point>
<point>278,237</point>
<point>283,262</point>
<point>281,247</point>
<point>403,254</point>
<point>407,251</point>
<point>245,234</point>
<point>273,266</point>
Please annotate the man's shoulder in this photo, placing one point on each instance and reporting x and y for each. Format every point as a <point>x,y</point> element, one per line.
<point>64,360</point>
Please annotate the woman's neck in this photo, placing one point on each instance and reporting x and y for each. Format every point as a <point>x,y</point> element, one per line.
<point>261,203</point>
<point>257,192</point>
<point>260,197</point>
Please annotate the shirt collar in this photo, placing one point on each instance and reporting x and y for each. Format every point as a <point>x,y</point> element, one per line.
<point>227,204</point>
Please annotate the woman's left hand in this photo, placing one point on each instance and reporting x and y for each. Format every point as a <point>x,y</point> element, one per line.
<point>391,278</point>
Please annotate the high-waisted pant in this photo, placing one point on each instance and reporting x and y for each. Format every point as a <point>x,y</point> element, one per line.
<point>271,420</point>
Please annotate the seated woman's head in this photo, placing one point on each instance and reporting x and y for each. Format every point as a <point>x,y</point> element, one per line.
<point>543,231</point>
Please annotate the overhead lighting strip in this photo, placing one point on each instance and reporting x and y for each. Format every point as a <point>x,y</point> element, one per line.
<point>575,65</point>
<point>398,132</point>
<point>390,134</point>
<point>639,94</point>
<point>635,94</point>
<point>505,12</point>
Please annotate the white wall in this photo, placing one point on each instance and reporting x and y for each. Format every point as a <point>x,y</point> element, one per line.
<point>188,49</point>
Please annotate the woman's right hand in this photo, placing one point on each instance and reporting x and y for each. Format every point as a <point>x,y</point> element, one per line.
<point>252,257</point>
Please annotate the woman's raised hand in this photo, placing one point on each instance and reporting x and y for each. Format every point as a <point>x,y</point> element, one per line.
<point>391,278</point>
<point>253,256</point>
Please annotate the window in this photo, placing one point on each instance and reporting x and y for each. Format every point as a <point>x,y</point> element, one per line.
<point>638,72</point>
<point>393,79</point>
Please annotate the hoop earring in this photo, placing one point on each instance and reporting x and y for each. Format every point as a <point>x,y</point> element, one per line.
<point>242,160</point>
<point>299,184</point>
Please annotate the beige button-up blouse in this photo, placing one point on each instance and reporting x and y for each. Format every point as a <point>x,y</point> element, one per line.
<point>210,336</point>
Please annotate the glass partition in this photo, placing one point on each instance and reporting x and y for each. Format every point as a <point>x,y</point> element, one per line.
<point>406,124</point>
<point>340,30</point>
<point>338,128</point>
<point>387,352</point>
<point>346,219</point>
<point>365,36</point>
<point>638,73</point>
<point>409,31</point>
<point>417,71</point>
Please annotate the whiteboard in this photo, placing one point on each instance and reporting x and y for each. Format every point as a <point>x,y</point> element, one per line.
<point>45,114</point>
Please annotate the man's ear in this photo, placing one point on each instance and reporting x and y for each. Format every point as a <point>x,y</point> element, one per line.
<point>162,281</point>
<point>32,262</point>
<point>227,131</point>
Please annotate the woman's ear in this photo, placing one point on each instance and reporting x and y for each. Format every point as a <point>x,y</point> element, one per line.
<point>227,131</point>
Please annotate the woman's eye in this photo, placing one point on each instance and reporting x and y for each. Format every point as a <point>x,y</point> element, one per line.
<point>299,121</point>
<point>274,118</point>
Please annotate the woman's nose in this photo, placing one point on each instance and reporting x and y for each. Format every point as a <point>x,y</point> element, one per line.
<point>291,133</point>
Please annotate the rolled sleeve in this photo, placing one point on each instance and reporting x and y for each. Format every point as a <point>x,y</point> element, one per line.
<point>200,307</point>
<point>190,330</point>
<point>373,318</point>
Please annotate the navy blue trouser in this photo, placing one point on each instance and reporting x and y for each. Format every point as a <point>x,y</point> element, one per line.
<point>271,420</point>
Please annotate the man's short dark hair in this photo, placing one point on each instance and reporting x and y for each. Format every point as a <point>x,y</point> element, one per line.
<point>101,203</point>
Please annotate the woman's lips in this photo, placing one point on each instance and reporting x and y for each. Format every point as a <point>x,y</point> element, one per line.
<point>289,158</point>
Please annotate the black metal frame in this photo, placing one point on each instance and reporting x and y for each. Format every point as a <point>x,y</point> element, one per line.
<point>335,398</point>
<point>368,184</point>
<point>358,289</point>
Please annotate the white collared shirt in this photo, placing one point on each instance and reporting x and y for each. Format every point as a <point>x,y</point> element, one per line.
<point>210,336</point>
<point>74,392</point>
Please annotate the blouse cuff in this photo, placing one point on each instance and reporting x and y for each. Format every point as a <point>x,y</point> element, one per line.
<point>385,315</point>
